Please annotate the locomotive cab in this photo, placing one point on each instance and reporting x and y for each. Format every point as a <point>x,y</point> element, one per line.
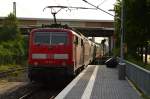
<point>49,51</point>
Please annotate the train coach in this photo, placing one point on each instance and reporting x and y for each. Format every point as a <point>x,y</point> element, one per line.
<point>57,52</point>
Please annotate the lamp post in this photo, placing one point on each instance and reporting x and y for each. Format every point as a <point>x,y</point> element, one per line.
<point>122,33</point>
<point>122,65</point>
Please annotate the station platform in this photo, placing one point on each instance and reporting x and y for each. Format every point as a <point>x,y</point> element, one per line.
<point>99,82</point>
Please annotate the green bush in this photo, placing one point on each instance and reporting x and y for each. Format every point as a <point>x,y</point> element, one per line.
<point>12,52</point>
<point>13,47</point>
<point>138,62</point>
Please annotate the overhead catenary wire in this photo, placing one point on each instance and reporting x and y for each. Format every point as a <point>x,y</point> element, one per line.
<point>66,7</point>
<point>102,3</point>
<point>54,12</point>
<point>98,8</point>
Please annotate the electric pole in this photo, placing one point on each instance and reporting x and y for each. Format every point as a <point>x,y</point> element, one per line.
<point>122,32</point>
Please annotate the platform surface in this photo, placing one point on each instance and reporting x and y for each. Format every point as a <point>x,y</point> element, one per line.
<point>99,82</point>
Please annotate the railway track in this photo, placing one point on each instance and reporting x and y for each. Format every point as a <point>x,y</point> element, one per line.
<point>45,91</point>
<point>41,94</point>
<point>26,96</point>
<point>7,73</point>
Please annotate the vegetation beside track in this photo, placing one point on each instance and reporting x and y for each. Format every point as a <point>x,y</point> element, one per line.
<point>4,68</point>
<point>13,46</point>
<point>12,73</point>
<point>138,62</point>
<point>136,31</point>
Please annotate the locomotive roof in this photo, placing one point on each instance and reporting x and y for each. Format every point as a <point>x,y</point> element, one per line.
<point>39,29</point>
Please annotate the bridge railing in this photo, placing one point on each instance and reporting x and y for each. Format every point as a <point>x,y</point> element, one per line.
<point>140,76</point>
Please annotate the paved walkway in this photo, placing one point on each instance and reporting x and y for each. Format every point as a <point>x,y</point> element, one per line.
<point>98,82</point>
<point>7,86</point>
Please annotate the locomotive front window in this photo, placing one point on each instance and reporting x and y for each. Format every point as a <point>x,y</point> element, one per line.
<point>42,38</point>
<point>59,38</point>
<point>51,38</point>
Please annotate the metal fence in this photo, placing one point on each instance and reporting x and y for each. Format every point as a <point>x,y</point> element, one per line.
<point>140,76</point>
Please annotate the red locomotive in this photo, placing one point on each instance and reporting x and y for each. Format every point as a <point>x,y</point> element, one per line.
<point>57,51</point>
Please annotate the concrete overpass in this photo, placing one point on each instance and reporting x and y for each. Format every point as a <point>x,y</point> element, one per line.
<point>96,28</point>
<point>89,28</point>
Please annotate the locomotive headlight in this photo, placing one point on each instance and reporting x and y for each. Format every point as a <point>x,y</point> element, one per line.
<point>39,56</point>
<point>35,63</point>
<point>64,63</point>
<point>61,56</point>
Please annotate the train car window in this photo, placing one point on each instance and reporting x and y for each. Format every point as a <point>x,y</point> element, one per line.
<point>76,40</point>
<point>42,38</point>
<point>81,42</point>
<point>59,38</point>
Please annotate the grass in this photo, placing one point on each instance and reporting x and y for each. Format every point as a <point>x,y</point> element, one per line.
<point>8,67</point>
<point>138,62</point>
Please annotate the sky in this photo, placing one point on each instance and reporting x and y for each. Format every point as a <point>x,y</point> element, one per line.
<point>34,9</point>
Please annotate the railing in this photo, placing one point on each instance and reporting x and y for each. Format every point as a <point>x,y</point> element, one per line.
<point>140,76</point>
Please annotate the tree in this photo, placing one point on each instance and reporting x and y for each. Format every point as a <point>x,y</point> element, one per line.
<point>10,30</point>
<point>12,45</point>
<point>117,24</point>
<point>137,24</point>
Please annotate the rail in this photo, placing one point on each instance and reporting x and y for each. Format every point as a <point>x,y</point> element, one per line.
<point>6,73</point>
<point>140,76</point>
<point>40,91</point>
<point>27,95</point>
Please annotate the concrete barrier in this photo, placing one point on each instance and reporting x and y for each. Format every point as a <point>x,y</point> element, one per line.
<point>140,76</point>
